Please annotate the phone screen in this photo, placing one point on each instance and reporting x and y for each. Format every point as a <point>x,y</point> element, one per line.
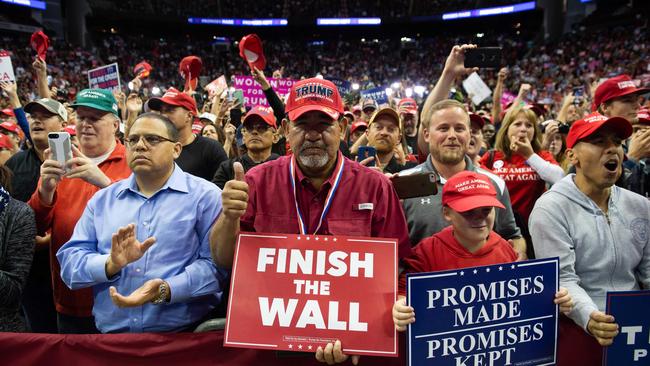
<point>366,152</point>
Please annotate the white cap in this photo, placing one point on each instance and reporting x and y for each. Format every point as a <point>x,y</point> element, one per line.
<point>209,116</point>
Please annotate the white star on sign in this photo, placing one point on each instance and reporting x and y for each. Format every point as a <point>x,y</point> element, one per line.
<point>487,270</point>
<point>316,238</point>
<point>291,346</point>
<point>298,237</point>
<point>309,347</point>
<point>326,239</point>
<point>462,273</point>
<point>300,346</point>
<point>334,239</point>
<point>308,238</point>
<point>475,271</point>
<point>513,266</point>
<point>500,268</point>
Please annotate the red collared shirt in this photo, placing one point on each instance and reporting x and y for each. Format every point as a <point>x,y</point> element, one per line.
<point>365,203</point>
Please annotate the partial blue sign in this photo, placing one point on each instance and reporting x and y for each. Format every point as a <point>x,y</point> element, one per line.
<point>507,9</point>
<point>493,315</point>
<point>348,21</point>
<point>632,345</point>
<point>343,86</point>
<point>378,94</point>
<point>264,22</point>
<point>29,3</point>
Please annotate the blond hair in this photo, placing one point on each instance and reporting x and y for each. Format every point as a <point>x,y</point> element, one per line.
<point>443,104</point>
<point>503,140</point>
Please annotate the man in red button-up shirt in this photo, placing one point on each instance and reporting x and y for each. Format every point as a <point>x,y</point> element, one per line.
<point>315,191</point>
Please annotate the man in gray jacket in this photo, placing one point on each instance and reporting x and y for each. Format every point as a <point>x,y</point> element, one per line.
<point>447,130</point>
<point>600,232</point>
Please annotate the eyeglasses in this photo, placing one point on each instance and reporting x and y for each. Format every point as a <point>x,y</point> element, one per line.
<point>149,140</point>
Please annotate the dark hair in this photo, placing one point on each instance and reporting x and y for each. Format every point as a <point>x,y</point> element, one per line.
<point>221,135</point>
<point>172,131</point>
<point>5,178</point>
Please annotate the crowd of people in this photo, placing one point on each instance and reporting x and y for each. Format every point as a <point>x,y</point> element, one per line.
<point>135,229</point>
<point>293,9</point>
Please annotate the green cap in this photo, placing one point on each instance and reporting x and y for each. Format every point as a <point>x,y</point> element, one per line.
<point>101,99</point>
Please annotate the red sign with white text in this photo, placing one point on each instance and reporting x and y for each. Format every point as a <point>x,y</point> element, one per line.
<point>297,292</point>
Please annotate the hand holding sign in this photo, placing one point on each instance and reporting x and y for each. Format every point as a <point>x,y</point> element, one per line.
<point>564,300</point>
<point>333,354</point>
<point>602,327</point>
<point>403,314</point>
<point>235,194</point>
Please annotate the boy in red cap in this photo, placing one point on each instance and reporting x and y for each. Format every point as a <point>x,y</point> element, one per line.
<point>469,201</point>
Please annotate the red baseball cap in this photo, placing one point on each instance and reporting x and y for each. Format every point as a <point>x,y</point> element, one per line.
<point>250,49</point>
<point>9,112</point>
<point>358,125</point>
<point>615,87</point>
<point>475,118</point>
<point>407,105</point>
<point>71,129</point>
<point>468,190</point>
<point>40,43</point>
<point>356,109</point>
<point>592,123</point>
<point>265,113</point>
<point>314,94</point>
<point>174,97</point>
<point>5,142</point>
<point>643,115</point>
<point>190,69</point>
<point>11,127</point>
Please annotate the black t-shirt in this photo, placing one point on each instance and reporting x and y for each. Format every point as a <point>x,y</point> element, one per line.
<point>202,157</point>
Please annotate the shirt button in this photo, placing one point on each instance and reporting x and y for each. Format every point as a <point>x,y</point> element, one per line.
<point>146,223</point>
<point>137,270</point>
<point>135,320</point>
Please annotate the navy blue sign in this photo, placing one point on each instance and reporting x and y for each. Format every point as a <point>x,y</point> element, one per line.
<point>343,86</point>
<point>632,345</point>
<point>378,94</point>
<point>493,315</point>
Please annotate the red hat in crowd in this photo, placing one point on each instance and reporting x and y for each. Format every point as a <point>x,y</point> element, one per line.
<point>142,70</point>
<point>592,123</point>
<point>644,115</point>
<point>407,105</point>
<point>11,127</point>
<point>8,112</point>
<point>613,88</point>
<point>265,113</point>
<point>71,129</point>
<point>174,97</point>
<point>358,125</point>
<point>314,94</point>
<point>250,49</point>
<point>40,43</point>
<point>468,190</point>
<point>475,118</point>
<point>197,127</point>
<point>190,69</point>
<point>5,142</point>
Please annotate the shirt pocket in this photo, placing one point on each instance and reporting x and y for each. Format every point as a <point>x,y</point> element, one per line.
<point>355,223</point>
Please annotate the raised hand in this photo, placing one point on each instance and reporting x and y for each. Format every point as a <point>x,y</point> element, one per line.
<point>52,172</point>
<point>455,62</point>
<point>125,249</point>
<point>258,75</point>
<point>235,194</point>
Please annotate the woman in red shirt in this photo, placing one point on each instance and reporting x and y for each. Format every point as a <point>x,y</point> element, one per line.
<point>519,160</point>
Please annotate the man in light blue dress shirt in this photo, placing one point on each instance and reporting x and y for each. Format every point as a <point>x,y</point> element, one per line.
<point>142,244</point>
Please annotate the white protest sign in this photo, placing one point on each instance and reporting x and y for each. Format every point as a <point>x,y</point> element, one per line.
<point>475,87</point>
<point>6,69</point>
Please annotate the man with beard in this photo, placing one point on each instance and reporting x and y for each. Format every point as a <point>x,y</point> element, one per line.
<point>362,201</point>
<point>384,134</point>
<point>64,190</point>
<point>599,231</point>
<point>408,113</point>
<point>447,131</point>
